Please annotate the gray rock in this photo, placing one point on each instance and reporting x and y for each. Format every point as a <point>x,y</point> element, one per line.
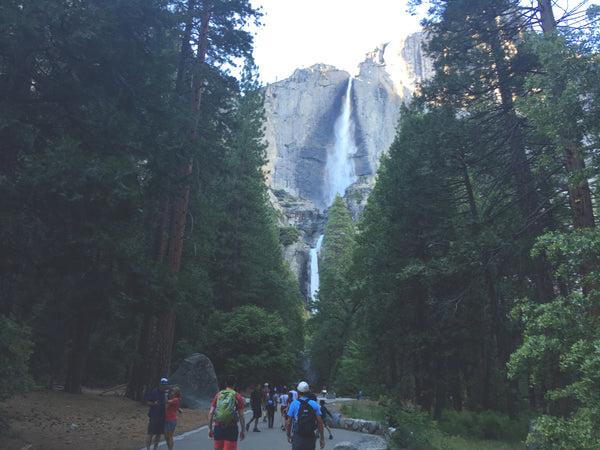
<point>367,442</point>
<point>346,446</point>
<point>334,422</point>
<point>197,380</point>
<point>371,442</point>
<point>301,112</point>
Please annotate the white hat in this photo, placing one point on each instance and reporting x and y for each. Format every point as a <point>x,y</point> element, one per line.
<point>303,386</point>
<point>164,381</point>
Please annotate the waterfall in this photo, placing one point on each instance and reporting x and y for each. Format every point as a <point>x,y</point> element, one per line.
<point>340,167</point>
<point>340,173</point>
<point>314,268</point>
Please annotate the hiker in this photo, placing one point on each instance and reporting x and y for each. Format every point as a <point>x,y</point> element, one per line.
<point>171,415</point>
<point>226,409</point>
<point>293,395</point>
<point>324,413</point>
<point>265,395</point>
<point>303,418</point>
<point>255,404</point>
<point>272,406</point>
<point>156,414</point>
<point>284,405</point>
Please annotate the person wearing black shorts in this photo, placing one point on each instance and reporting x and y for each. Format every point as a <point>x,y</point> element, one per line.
<point>256,405</point>
<point>156,401</point>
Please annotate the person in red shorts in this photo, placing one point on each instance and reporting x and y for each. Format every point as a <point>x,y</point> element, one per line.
<point>226,434</point>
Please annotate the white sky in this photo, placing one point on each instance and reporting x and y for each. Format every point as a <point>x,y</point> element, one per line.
<point>300,33</point>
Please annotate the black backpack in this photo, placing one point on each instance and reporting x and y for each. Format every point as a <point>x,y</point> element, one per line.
<point>307,419</point>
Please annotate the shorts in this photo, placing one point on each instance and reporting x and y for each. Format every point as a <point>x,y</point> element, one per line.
<point>256,412</point>
<point>226,437</point>
<point>156,425</point>
<point>170,425</point>
<point>303,442</point>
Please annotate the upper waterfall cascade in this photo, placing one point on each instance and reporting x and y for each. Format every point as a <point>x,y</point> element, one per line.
<point>325,131</point>
<point>340,168</point>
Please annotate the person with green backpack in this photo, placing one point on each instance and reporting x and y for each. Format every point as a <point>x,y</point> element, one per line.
<point>226,409</point>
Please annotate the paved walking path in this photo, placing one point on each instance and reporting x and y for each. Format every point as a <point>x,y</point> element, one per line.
<point>268,438</point>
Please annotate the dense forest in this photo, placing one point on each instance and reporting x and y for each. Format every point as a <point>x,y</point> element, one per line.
<point>472,280</point>
<point>136,229</point>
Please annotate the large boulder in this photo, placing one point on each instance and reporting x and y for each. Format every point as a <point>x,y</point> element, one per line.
<point>197,380</point>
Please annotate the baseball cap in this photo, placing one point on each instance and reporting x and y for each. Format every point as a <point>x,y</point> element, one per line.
<point>164,381</point>
<point>303,386</point>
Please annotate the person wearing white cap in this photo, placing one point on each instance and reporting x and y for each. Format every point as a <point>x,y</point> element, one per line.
<point>156,401</point>
<point>303,418</point>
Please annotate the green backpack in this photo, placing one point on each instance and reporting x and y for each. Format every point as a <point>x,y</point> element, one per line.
<point>225,412</point>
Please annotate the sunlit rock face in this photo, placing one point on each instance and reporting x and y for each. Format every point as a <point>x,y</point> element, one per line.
<point>301,113</point>
<point>387,77</point>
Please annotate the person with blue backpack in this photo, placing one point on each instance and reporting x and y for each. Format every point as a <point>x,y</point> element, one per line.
<point>303,419</point>
<point>272,401</point>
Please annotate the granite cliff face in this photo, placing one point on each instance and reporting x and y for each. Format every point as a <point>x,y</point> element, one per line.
<point>301,114</point>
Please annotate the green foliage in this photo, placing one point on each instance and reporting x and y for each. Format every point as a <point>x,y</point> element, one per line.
<point>414,429</point>
<point>289,235</point>
<point>15,349</point>
<point>486,425</point>
<point>353,372</point>
<point>457,431</point>
<point>251,343</point>
<point>336,309</point>
<point>563,336</point>
<point>94,101</point>
<point>364,410</point>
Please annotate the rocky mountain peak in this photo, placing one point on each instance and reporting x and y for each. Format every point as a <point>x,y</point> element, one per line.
<point>303,114</point>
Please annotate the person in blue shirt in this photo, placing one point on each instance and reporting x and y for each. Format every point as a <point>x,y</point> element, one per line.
<point>156,401</point>
<point>299,441</point>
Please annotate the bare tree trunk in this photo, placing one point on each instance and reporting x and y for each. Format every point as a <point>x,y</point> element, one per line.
<point>171,229</point>
<point>580,197</point>
<point>140,379</point>
<point>80,339</point>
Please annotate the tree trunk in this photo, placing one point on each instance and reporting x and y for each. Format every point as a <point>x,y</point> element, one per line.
<point>580,197</point>
<point>80,340</point>
<point>141,380</point>
<point>175,211</point>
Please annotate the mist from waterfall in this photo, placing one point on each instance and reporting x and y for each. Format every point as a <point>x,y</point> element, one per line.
<point>340,173</point>
<point>340,166</point>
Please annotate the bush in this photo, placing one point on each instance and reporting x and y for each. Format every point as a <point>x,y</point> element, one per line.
<point>486,425</point>
<point>364,410</point>
<point>288,235</point>
<point>15,349</point>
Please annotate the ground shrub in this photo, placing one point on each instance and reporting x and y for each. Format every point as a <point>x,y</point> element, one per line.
<point>485,425</point>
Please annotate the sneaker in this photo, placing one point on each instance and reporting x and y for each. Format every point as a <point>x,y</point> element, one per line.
<point>330,436</point>
<point>256,430</point>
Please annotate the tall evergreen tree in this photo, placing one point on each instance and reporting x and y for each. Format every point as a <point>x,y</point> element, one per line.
<point>335,309</point>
